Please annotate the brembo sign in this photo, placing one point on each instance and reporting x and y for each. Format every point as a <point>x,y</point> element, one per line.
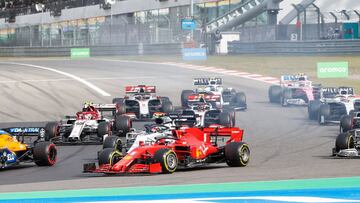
<point>332,69</point>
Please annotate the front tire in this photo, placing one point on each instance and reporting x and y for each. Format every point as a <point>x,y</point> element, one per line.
<point>167,159</point>
<point>109,156</point>
<point>113,142</point>
<point>344,141</point>
<point>274,93</point>
<point>167,107</point>
<point>240,99</point>
<point>237,154</point>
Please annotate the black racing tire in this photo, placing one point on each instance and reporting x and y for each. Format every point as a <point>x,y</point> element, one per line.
<point>324,113</point>
<point>167,159</point>
<point>313,109</point>
<point>165,99</point>
<point>123,124</point>
<point>240,99</point>
<point>45,154</point>
<point>225,119</point>
<point>345,123</point>
<point>120,105</point>
<point>237,154</point>
<point>113,142</point>
<point>109,156</point>
<point>51,130</point>
<point>184,97</point>
<point>104,128</point>
<point>344,141</point>
<point>274,93</point>
<point>285,94</point>
<point>167,107</point>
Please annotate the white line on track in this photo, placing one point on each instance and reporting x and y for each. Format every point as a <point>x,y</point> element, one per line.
<point>90,85</point>
<point>251,76</point>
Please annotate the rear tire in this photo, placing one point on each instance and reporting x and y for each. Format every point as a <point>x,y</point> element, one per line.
<point>225,119</point>
<point>285,95</point>
<point>313,109</point>
<point>345,123</point>
<point>324,113</point>
<point>51,130</point>
<point>184,97</point>
<point>45,154</point>
<point>120,105</point>
<point>274,93</point>
<point>344,141</point>
<point>123,124</point>
<point>104,128</point>
<point>167,159</point>
<point>109,156</point>
<point>237,154</point>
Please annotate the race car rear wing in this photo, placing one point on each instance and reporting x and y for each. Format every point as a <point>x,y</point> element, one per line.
<point>105,107</point>
<point>140,89</point>
<point>207,81</point>
<point>184,118</point>
<point>26,131</point>
<point>205,97</point>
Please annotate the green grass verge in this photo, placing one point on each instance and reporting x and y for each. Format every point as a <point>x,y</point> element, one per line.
<point>273,65</point>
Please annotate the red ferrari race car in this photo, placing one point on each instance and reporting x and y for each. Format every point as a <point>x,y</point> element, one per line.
<point>140,102</point>
<point>189,147</point>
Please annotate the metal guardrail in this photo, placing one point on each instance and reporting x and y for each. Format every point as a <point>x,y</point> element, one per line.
<point>294,48</point>
<point>147,49</point>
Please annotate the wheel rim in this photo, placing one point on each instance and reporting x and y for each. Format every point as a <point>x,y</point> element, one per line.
<point>171,161</point>
<point>244,153</point>
<point>115,158</point>
<point>52,155</point>
<point>351,142</point>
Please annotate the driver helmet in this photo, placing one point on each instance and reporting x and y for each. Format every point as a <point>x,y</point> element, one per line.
<point>87,106</point>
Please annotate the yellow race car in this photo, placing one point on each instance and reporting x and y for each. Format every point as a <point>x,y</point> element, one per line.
<point>13,151</point>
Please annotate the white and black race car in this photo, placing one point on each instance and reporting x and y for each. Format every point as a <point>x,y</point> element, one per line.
<point>141,102</point>
<point>89,126</point>
<point>348,141</point>
<point>333,104</point>
<point>228,98</point>
<point>202,108</point>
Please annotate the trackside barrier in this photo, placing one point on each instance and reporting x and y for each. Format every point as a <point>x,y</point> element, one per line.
<point>147,49</point>
<point>294,48</point>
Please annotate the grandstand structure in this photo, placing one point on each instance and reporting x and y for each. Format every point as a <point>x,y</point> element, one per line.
<point>101,22</point>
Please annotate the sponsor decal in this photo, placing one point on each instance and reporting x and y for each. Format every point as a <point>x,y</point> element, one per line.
<point>80,53</point>
<point>332,69</point>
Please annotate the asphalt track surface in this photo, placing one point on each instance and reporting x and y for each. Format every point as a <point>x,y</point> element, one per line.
<point>284,143</point>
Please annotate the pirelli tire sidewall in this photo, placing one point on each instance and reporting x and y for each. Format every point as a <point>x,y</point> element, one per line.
<point>109,156</point>
<point>237,154</point>
<point>167,159</point>
<point>344,141</point>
